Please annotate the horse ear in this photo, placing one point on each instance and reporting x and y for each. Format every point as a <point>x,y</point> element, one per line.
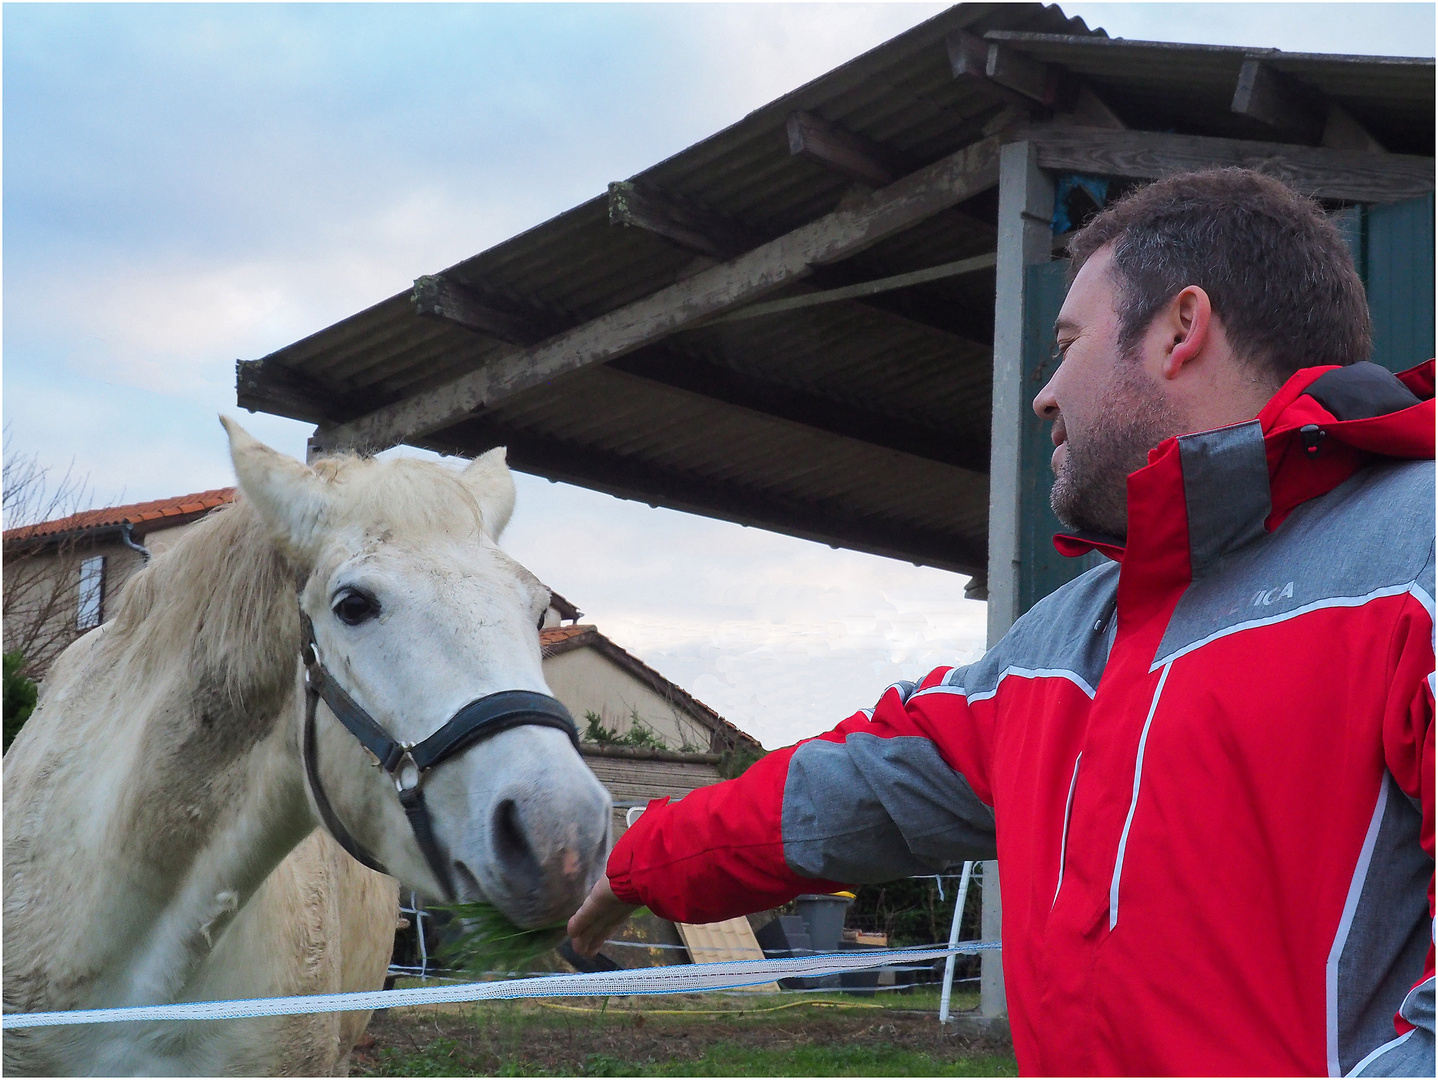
<point>489,480</point>
<point>290,496</point>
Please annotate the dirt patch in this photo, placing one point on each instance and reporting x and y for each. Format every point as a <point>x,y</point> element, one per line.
<point>690,1034</point>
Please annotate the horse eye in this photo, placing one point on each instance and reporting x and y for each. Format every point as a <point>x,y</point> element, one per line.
<point>353,608</point>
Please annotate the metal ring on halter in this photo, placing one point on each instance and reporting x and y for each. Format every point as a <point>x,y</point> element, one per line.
<point>477,721</point>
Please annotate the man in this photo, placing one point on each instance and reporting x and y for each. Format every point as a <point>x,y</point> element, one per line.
<point>1206,767</point>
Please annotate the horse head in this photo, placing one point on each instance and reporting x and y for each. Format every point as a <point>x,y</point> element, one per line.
<point>414,617</point>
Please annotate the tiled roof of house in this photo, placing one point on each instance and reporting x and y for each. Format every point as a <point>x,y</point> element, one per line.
<point>181,506</point>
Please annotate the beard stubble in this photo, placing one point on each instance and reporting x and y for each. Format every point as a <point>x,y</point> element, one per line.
<point>1090,491</point>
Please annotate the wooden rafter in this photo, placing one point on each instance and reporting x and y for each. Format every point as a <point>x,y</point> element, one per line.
<point>789,258</point>
<point>695,375</point>
<point>1329,174</point>
<point>657,485</point>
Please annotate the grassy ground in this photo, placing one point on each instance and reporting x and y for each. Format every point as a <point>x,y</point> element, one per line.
<point>683,1035</point>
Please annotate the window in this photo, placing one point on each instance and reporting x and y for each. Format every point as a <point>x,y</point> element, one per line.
<point>92,592</point>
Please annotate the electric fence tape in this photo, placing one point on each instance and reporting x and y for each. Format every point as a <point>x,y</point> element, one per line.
<point>677,979</point>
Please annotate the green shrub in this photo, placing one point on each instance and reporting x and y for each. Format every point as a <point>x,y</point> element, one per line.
<point>20,695</point>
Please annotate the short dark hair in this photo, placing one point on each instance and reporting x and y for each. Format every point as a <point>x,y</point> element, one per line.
<point>1275,268</point>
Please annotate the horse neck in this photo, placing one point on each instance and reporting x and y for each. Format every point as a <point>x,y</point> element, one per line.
<point>206,761</point>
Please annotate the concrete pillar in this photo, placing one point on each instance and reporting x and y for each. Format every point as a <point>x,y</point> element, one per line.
<point>1026,203</point>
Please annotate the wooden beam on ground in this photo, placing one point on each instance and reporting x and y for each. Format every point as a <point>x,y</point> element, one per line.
<point>695,375</point>
<point>842,151</point>
<point>645,482</point>
<point>439,297</point>
<point>1278,102</point>
<point>1329,174</point>
<point>789,258</point>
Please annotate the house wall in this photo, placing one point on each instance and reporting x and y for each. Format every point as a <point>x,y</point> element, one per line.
<point>586,681</point>
<point>44,588</point>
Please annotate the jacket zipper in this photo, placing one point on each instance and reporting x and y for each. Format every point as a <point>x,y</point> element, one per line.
<point>1064,839</point>
<point>1133,804</point>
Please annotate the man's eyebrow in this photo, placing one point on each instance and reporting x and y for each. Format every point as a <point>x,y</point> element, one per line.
<point>1061,324</point>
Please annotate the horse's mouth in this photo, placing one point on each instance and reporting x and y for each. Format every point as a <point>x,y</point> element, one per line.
<point>470,891</point>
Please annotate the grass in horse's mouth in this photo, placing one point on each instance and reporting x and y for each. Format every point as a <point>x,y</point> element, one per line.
<point>489,941</point>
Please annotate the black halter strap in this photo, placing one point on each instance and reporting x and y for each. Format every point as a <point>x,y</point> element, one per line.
<point>408,766</point>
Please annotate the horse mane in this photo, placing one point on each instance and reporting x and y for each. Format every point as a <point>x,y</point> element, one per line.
<point>223,596</point>
<point>226,594</point>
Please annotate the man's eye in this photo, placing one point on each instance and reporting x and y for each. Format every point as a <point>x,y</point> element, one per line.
<point>353,607</point>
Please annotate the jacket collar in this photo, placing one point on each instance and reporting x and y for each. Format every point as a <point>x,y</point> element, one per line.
<point>1212,492</point>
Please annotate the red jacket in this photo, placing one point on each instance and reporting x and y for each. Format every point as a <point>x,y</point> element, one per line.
<point>1206,768</point>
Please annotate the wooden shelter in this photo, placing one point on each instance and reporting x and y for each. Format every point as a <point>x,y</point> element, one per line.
<point>829,319</point>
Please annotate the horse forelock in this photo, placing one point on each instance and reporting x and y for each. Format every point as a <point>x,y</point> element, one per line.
<point>402,495</point>
<point>221,600</point>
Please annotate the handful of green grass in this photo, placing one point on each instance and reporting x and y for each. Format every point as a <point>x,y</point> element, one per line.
<point>489,941</point>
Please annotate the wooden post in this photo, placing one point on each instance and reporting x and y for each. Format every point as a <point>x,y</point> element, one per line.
<point>1026,202</point>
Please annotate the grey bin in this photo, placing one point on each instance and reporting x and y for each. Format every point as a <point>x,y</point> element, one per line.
<point>824,916</point>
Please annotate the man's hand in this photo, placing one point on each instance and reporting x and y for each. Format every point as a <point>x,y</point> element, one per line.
<point>597,918</point>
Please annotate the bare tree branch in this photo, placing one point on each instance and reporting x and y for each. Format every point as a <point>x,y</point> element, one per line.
<point>39,602</point>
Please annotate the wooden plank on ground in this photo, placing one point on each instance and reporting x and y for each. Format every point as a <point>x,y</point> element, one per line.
<point>713,943</point>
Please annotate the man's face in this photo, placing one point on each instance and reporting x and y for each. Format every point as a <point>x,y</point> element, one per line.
<point>1108,410</point>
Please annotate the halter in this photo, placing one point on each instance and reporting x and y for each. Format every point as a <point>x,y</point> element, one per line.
<point>408,764</point>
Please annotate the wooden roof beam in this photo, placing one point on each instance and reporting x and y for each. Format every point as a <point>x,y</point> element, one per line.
<point>693,228</point>
<point>750,276</point>
<point>1005,73</point>
<point>840,150</point>
<point>1295,112</point>
<point>440,297</point>
<point>1348,175</point>
<point>696,375</point>
<point>1275,100</point>
<point>629,478</point>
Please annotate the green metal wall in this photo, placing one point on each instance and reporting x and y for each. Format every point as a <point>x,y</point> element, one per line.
<point>1041,568</point>
<point>1397,270</point>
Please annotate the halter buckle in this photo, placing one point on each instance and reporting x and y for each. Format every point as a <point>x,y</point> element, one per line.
<point>407,774</point>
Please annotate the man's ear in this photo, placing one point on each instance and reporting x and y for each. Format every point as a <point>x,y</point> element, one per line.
<point>291,497</point>
<point>1187,320</point>
<point>489,481</point>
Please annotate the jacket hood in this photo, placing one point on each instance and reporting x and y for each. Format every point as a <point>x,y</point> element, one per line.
<point>1323,425</point>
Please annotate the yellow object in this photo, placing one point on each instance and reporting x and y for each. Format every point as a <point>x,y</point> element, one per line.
<point>732,939</point>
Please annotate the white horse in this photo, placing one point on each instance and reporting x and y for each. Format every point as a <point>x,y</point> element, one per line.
<point>153,797</point>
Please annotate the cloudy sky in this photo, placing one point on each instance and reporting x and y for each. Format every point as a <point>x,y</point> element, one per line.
<point>187,185</point>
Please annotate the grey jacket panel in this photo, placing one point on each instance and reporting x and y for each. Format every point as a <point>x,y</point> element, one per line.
<point>1225,491</point>
<point>1326,553</point>
<point>1070,632</point>
<point>873,809</point>
<point>1383,947</point>
<point>1412,1054</point>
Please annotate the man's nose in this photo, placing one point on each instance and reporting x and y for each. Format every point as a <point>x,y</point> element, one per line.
<point>1046,406</point>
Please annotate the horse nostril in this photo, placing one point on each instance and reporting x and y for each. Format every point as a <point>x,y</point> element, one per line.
<point>511,845</point>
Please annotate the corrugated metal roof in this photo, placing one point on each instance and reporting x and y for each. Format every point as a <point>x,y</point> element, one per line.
<point>863,423</point>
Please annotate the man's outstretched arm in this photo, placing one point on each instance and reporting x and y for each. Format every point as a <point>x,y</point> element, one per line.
<point>902,791</point>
